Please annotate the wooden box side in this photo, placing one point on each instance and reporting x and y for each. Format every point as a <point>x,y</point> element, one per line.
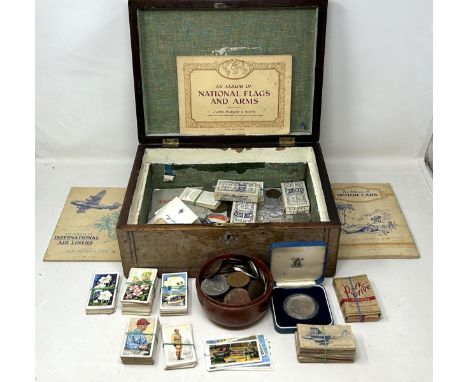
<point>162,249</point>
<point>131,187</point>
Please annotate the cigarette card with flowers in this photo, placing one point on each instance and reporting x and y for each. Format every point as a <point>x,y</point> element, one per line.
<point>102,292</point>
<point>140,286</point>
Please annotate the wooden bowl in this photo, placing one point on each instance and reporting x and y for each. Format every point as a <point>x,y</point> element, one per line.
<point>235,316</point>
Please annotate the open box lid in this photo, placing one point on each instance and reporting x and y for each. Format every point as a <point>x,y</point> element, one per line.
<point>161,31</point>
<point>300,263</point>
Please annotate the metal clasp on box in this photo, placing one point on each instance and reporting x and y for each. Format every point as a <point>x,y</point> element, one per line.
<point>287,141</point>
<point>170,142</point>
<point>229,239</point>
<point>220,5</point>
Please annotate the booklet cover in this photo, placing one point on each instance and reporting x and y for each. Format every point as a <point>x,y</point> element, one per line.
<point>85,230</point>
<point>234,95</point>
<point>373,225</point>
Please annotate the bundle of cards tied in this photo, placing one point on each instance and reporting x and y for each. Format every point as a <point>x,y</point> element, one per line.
<point>178,346</point>
<point>140,341</point>
<point>357,299</point>
<point>232,201</point>
<point>325,343</point>
<point>174,294</point>
<point>102,293</point>
<point>140,291</point>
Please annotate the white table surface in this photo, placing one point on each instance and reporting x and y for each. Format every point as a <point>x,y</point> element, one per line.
<point>71,346</point>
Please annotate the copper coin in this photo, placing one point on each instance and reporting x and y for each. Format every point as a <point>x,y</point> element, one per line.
<point>237,279</point>
<point>223,207</point>
<point>256,289</point>
<point>237,296</point>
<point>273,193</point>
<point>212,269</point>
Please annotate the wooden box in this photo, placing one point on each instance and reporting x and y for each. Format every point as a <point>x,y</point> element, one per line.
<point>164,30</point>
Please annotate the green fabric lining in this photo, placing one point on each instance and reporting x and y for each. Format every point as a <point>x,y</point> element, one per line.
<point>166,34</point>
<point>207,175</point>
<point>312,199</point>
<point>272,174</point>
<point>147,195</point>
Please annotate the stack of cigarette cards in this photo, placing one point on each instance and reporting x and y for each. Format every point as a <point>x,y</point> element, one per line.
<point>238,353</point>
<point>140,341</point>
<point>139,291</point>
<point>102,293</point>
<point>174,294</point>
<point>295,199</point>
<point>178,346</point>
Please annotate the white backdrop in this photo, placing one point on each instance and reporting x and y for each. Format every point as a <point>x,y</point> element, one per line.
<point>376,120</point>
<point>377,95</point>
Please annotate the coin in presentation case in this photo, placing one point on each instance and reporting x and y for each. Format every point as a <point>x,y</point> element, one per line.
<point>298,297</point>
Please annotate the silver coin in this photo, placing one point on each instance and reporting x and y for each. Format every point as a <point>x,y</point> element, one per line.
<point>254,269</point>
<point>300,306</point>
<point>243,270</point>
<point>215,286</point>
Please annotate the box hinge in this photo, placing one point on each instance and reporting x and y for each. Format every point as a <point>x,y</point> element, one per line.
<point>170,142</point>
<point>287,141</point>
<point>295,284</point>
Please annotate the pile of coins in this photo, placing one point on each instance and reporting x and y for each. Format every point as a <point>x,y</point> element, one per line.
<point>234,281</point>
